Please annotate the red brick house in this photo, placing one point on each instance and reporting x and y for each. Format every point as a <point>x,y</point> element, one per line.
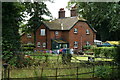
<point>64,32</point>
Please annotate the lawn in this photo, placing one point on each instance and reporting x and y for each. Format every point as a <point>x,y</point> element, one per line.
<point>49,68</point>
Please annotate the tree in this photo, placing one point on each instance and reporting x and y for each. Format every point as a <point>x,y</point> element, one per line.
<point>103,16</point>
<point>36,11</point>
<point>11,18</point>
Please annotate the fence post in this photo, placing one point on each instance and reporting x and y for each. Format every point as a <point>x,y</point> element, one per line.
<point>8,73</point>
<point>56,73</point>
<point>93,68</point>
<point>77,72</point>
<point>5,65</point>
<point>41,72</point>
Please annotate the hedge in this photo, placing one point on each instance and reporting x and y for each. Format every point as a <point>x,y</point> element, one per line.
<point>107,52</point>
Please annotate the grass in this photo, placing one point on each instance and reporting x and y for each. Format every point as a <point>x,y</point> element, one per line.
<point>36,71</point>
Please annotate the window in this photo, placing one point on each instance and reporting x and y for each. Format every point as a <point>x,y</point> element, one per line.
<point>87,31</point>
<point>44,44</point>
<point>29,35</point>
<point>42,32</point>
<point>75,44</point>
<point>38,44</point>
<point>56,33</point>
<point>75,30</point>
<point>87,43</point>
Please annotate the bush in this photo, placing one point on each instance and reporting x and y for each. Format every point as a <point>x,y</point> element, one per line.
<point>105,51</point>
<point>103,72</point>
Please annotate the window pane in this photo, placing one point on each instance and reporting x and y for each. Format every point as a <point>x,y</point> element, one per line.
<point>42,32</point>
<point>75,44</point>
<point>29,35</point>
<point>38,44</point>
<point>44,44</point>
<point>75,30</point>
<point>87,31</point>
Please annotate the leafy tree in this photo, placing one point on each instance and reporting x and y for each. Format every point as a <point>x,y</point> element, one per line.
<point>11,18</point>
<point>36,11</point>
<point>103,16</point>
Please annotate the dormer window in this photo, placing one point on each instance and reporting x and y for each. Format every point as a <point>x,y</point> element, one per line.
<point>75,30</point>
<point>87,31</point>
<point>42,32</point>
<point>29,35</point>
<point>56,33</point>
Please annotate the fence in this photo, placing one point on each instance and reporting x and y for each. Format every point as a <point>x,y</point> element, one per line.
<point>43,72</point>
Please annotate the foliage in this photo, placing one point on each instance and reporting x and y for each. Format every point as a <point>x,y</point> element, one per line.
<point>11,19</point>
<point>87,47</point>
<point>103,72</point>
<point>66,58</point>
<point>28,47</point>
<point>36,11</point>
<point>103,16</point>
<point>105,51</point>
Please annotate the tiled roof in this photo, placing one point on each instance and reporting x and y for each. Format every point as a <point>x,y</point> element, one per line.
<point>62,23</point>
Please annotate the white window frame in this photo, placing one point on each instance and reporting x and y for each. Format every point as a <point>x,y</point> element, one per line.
<point>87,43</point>
<point>44,44</point>
<point>87,31</point>
<point>29,35</point>
<point>42,32</point>
<point>75,30</point>
<point>38,44</point>
<point>75,44</point>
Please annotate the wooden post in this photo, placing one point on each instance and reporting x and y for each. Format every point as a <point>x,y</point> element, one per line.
<point>8,73</point>
<point>56,73</point>
<point>41,73</point>
<point>77,72</point>
<point>93,69</point>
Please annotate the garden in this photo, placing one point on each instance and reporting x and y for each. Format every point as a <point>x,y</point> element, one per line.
<point>37,65</point>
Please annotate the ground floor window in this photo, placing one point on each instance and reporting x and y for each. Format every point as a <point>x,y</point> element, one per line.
<point>44,44</point>
<point>38,44</point>
<point>87,43</point>
<point>75,44</point>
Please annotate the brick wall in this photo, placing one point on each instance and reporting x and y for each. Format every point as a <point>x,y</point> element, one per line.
<point>81,37</point>
<point>25,39</point>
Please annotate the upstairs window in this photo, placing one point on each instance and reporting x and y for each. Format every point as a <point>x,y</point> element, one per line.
<point>44,44</point>
<point>56,33</point>
<point>38,44</point>
<point>75,30</point>
<point>75,44</point>
<point>29,35</point>
<point>87,31</point>
<point>42,32</point>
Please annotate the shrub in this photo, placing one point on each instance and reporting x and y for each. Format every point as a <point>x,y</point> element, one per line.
<point>103,72</point>
<point>105,51</point>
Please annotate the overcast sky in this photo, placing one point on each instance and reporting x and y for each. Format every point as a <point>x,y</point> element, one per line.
<point>54,7</point>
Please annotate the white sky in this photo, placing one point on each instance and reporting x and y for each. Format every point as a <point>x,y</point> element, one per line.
<point>54,7</point>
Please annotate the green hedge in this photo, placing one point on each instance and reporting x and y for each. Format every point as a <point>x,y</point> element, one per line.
<point>105,52</point>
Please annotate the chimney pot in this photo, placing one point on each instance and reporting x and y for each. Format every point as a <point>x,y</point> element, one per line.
<point>61,13</point>
<point>73,11</point>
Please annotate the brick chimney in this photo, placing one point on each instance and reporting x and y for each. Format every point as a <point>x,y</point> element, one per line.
<point>73,12</point>
<point>61,13</point>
